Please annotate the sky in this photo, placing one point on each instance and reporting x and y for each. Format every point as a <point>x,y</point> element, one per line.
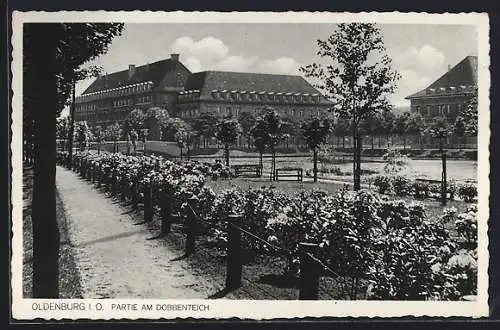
<point>421,53</point>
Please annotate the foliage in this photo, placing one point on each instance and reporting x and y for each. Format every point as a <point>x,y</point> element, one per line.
<point>383,183</point>
<point>227,131</point>
<point>246,120</point>
<point>83,134</point>
<point>316,132</point>
<point>468,192</point>
<point>134,120</point>
<point>395,162</point>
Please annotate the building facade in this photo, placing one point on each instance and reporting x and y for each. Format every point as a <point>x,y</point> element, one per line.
<point>231,93</point>
<point>449,94</point>
<point>112,96</point>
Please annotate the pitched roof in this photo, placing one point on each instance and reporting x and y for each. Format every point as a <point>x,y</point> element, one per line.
<point>207,81</point>
<point>464,73</point>
<point>154,72</point>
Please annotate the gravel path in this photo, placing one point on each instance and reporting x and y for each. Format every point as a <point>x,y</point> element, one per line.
<point>113,255</point>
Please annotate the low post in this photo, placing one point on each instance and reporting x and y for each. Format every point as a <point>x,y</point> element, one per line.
<point>234,264</point>
<point>309,272</point>
<point>148,204</point>
<point>166,210</point>
<point>134,196</point>
<point>443,179</point>
<point>190,229</point>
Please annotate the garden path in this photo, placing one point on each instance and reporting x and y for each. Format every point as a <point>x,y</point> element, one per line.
<point>113,255</point>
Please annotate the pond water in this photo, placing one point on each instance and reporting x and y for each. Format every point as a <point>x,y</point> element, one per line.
<point>458,170</point>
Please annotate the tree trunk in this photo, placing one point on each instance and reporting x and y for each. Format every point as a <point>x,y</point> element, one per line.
<point>315,165</point>
<point>343,142</point>
<point>71,128</point>
<point>261,163</point>
<point>404,141</point>
<point>188,153</point>
<point>181,153</point>
<point>372,144</point>
<point>45,228</point>
<point>357,161</point>
<point>227,155</point>
<point>379,138</point>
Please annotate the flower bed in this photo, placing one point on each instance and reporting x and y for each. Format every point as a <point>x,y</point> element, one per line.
<point>402,186</point>
<point>391,248</point>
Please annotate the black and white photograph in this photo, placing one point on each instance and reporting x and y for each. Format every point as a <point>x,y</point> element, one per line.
<point>252,165</point>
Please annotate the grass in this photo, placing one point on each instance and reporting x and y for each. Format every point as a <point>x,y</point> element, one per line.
<point>69,277</point>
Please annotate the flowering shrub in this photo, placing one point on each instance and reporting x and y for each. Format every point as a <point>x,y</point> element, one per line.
<point>383,183</point>
<point>400,185</point>
<point>468,192</point>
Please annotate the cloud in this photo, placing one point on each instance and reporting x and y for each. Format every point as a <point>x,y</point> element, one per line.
<point>410,83</point>
<point>426,57</point>
<point>234,63</point>
<point>207,51</point>
<point>282,65</point>
<point>193,64</point>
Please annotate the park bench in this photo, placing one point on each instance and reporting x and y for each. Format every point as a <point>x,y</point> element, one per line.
<point>247,170</point>
<point>288,174</point>
<point>429,181</point>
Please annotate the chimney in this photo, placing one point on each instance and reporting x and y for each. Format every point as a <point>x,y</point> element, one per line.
<point>449,67</point>
<point>174,57</point>
<point>131,70</point>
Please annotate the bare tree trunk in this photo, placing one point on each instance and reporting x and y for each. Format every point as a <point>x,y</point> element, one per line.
<point>71,127</point>
<point>227,155</point>
<point>45,228</point>
<point>315,165</point>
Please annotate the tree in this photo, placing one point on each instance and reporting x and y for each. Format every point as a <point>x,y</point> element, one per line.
<point>246,120</point>
<point>228,130</point>
<point>316,132</point>
<point>441,129</point>
<point>113,133</point>
<point>82,135</point>
<point>52,53</point>
<point>388,119</point>
<point>342,129</point>
<point>155,120</point>
<point>416,126</point>
<point>401,124</point>
<point>62,130</point>
<point>134,120</point>
<point>98,135</point>
<point>469,115</point>
<point>275,135</point>
<point>371,126</point>
<point>460,127</point>
<point>358,85</point>
<point>259,138</point>
<point>205,125</point>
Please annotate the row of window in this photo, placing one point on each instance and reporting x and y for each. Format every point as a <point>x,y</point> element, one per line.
<point>440,109</point>
<point>260,97</point>
<point>91,107</point>
<point>144,87</point>
<point>234,112</point>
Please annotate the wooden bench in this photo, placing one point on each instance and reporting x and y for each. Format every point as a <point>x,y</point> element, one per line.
<point>295,173</point>
<point>247,170</point>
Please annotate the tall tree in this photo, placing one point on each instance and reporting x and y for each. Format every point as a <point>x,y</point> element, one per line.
<point>401,124</point>
<point>259,138</point>
<point>156,118</point>
<point>441,129</point>
<point>358,84</point>
<point>113,133</point>
<point>134,120</point>
<point>342,129</point>
<point>52,53</point>
<point>228,130</point>
<point>246,120</point>
<point>275,134</point>
<point>416,126</point>
<point>98,136</point>
<point>316,133</point>
<point>83,135</point>
<point>205,125</point>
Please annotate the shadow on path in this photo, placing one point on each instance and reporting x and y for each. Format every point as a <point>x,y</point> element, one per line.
<point>109,238</point>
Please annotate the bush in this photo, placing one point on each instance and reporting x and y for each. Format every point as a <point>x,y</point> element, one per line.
<point>419,189</point>
<point>383,183</point>
<point>401,185</point>
<point>468,192</point>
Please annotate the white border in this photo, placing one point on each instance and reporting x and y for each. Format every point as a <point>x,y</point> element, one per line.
<point>23,308</point>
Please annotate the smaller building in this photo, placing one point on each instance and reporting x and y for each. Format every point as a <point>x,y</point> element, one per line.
<point>448,94</point>
<point>231,93</point>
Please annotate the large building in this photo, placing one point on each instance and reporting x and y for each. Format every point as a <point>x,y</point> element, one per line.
<point>230,93</point>
<point>112,96</point>
<point>449,94</point>
<point>168,83</point>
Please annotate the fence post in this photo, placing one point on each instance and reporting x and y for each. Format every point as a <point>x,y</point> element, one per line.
<point>234,264</point>
<point>309,272</point>
<point>166,210</point>
<point>190,228</point>
<point>148,203</point>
